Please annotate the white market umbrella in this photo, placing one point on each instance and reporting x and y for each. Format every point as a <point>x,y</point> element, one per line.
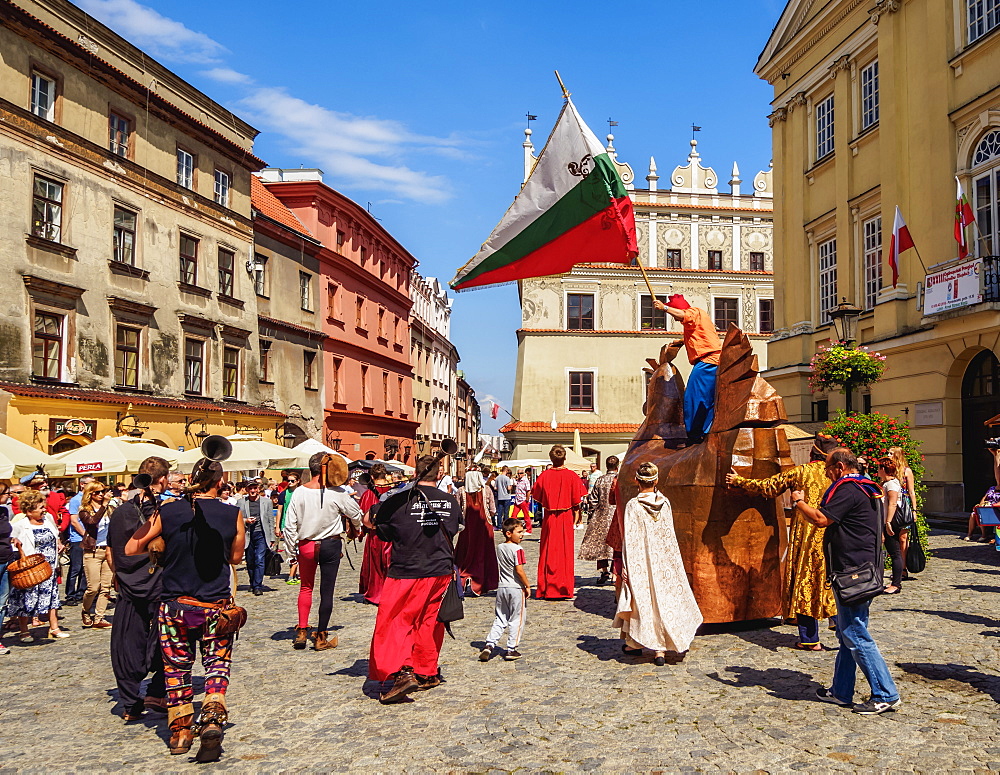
<point>18,459</point>
<point>310,447</point>
<point>250,454</point>
<point>576,462</point>
<point>112,455</point>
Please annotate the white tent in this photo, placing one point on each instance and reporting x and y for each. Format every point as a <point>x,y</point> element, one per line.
<point>250,454</point>
<point>310,447</point>
<point>18,459</point>
<point>112,455</point>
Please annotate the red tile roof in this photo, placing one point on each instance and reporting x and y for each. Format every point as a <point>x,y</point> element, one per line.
<point>269,205</point>
<point>123,399</point>
<point>565,427</point>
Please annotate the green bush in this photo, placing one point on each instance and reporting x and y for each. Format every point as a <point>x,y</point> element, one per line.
<point>870,436</point>
<point>839,365</point>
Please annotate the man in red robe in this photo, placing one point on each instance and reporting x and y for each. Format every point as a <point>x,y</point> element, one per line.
<point>560,492</point>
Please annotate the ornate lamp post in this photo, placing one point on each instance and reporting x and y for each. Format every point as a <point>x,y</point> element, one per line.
<point>845,317</point>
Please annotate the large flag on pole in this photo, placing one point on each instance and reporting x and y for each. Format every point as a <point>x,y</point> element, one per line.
<point>573,209</point>
<point>963,218</point>
<point>901,241</point>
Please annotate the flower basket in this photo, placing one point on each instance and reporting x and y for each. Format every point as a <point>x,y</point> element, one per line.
<point>839,366</point>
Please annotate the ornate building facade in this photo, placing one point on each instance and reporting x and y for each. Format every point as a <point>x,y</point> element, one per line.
<point>585,336</point>
<point>862,125</point>
<point>435,362</point>
<point>124,224</point>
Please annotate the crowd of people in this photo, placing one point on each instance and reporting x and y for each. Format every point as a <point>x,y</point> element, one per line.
<point>164,554</point>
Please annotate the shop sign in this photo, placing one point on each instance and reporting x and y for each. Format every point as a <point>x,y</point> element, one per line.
<point>930,413</point>
<point>959,286</point>
<point>74,426</point>
<point>88,468</point>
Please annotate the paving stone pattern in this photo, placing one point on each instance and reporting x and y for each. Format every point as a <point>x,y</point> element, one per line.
<point>740,702</point>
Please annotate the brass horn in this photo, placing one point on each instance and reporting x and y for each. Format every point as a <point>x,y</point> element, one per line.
<point>217,448</point>
<point>448,447</point>
<point>142,481</point>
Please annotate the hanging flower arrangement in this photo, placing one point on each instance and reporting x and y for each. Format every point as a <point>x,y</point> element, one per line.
<point>836,366</point>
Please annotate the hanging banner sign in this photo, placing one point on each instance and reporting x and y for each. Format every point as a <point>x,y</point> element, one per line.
<point>959,286</point>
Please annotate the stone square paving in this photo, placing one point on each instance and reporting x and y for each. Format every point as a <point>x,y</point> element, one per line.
<point>740,702</point>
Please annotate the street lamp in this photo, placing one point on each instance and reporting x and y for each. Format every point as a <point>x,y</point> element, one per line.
<point>420,446</point>
<point>845,317</point>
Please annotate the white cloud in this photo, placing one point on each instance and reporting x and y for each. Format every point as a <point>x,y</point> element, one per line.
<point>153,32</point>
<point>340,143</point>
<point>227,75</point>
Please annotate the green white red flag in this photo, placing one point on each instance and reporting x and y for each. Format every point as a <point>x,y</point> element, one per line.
<point>573,209</point>
<point>963,218</point>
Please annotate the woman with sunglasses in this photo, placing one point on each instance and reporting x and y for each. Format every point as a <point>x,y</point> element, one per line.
<point>95,514</point>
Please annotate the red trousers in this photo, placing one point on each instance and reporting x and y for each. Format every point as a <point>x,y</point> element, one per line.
<point>523,510</point>
<point>556,568</point>
<point>407,631</point>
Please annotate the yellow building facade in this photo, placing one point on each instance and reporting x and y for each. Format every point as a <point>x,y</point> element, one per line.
<point>878,106</point>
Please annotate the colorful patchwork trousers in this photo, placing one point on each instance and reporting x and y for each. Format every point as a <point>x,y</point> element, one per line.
<point>183,628</point>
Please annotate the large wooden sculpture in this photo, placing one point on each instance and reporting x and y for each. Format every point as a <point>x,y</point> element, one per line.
<point>732,542</point>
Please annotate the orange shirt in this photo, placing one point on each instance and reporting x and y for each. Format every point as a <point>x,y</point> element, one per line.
<point>700,337</point>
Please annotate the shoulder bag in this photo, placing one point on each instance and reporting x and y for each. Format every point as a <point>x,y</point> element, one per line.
<point>854,586</point>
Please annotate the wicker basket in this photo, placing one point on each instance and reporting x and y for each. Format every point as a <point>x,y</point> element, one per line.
<point>30,571</point>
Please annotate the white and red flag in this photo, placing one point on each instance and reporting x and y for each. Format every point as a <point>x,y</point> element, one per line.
<point>901,241</point>
<point>494,410</point>
<point>963,218</point>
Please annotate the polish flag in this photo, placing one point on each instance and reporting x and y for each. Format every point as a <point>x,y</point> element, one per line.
<point>963,218</point>
<point>494,410</point>
<point>900,242</point>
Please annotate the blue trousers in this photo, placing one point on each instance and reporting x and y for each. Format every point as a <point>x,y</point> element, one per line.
<point>4,590</point>
<point>255,554</point>
<point>503,511</point>
<point>699,399</point>
<point>858,649</point>
<point>76,582</point>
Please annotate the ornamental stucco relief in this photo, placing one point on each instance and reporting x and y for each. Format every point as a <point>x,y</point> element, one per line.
<point>715,237</point>
<point>674,238</point>
<point>642,238</point>
<point>757,239</point>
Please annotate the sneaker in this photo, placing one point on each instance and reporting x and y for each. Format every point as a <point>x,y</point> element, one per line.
<point>4,649</point>
<point>825,696</point>
<point>511,655</point>
<point>404,683</point>
<point>292,581</point>
<point>873,708</point>
<point>486,653</point>
<point>258,591</point>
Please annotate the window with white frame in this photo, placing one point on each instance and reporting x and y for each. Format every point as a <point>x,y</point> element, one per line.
<point>827,252</point>
<point>189,260</point>
<point>46,209</point>
<point>127,356</point>
<point>260,274</point>
<point>185,168</point>
<point>580,312</point>
<point>47,346</point>
<point>43,96</point>
<point>984,16</point>
<point>869,95</point>
<point>872,238</point>
<point>230,372</point>
<point>227,273</point>
<point>222,188</point>
<point>581,391</point>
<point>125,221</point>
<point>824,127</point>
<point>305,291</point>
<point>118,133</point>
<point>194,366</point>
<point>986,192</point>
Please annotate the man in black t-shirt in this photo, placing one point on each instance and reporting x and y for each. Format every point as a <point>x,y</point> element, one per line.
<point>420,522</point>
<point>849,512</point>
<point>135,648</point>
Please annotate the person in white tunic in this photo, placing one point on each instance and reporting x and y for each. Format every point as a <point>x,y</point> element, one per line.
<point>656,607</point>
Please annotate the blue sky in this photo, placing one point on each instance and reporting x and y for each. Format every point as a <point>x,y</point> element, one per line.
<point>418,108</point>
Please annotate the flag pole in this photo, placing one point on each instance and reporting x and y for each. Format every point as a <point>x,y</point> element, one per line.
<point>645,277</point>
<point>562,85</point>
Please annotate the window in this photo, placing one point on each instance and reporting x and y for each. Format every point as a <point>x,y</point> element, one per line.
<point>727,310</point>
<point>126,357</point>
<point>820,410</point>
<point>46,209</point>
<point>673,259</point>
<point>309,369</point>
<point>118,132</point>
<point>827,279</point>
<point>340,239</point>
<point>385,391</point>
<point>265,360</point>
<point>364,255</point>
<point>651,318</point>
<point>222,188</point>
<point>715,259</point>
<point>46,346</point>
<point>381,322</point>
<point>260,274</point>
<point>986,192</point>
<point>872,236</point>
<point>194,362</point>
<point>757,262</point>
<point>402,406</point>
<point>581,391</point>
<point>332,300</point>
<point>230,372</point>
<point>580,312</point>
<point>305,291</point>
<point>984,15</point>
<point>227,267</point>
<point>185,168</point>
<point>335,373</point>
<point>824,127</point>
<point>366,397</point>
<point>125,236</point>
<point>43,96</point>
<point>869,96</point>
<point>765,308</point>
<point>189,260</point>
<point>360,319</point>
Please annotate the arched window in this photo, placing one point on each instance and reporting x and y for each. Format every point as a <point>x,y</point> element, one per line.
<point>986,192</point>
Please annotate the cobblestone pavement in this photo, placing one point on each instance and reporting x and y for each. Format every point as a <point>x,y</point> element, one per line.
<point>740,701</point>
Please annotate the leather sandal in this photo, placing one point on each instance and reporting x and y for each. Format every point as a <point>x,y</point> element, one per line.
<point>181,735</point>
